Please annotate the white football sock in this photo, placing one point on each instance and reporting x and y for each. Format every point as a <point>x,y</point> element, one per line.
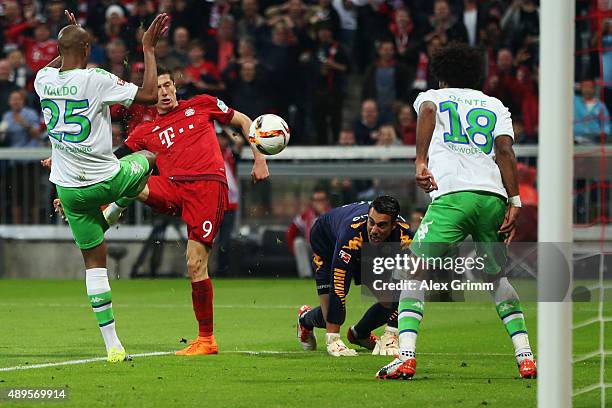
<point>99,292</point>
<point>411,307</point>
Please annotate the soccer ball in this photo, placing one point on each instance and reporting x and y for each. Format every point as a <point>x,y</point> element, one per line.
<point>269,134</point>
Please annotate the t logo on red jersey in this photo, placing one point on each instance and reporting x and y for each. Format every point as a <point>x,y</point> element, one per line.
<point>166,137</point>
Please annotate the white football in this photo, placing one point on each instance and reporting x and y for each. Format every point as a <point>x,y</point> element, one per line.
<point>269,134</point>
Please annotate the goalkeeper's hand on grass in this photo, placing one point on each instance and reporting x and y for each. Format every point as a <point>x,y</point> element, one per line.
<point>387,344</point>
<point>336,347</point>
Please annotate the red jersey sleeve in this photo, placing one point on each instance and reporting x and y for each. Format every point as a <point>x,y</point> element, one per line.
<point>136,140</point>
<point>217,109</point>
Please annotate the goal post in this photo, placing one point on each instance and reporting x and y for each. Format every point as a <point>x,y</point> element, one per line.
<point>555,175</point>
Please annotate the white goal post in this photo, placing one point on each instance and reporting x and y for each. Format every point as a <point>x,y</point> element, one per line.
<point>555,175</point>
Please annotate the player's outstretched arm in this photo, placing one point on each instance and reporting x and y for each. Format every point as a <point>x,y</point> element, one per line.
<point>426,124</point>
<point>260,168</point>
<point>57,61</point>
<point>506,161</point>
<point>147,93</point>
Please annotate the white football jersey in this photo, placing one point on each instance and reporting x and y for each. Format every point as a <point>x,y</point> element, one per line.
<point>75,106</point>
<point>462,151</point>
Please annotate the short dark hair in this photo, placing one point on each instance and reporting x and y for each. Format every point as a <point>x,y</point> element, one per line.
<point>459,65</point>
<point>163,70</point>
<point>385,204</point>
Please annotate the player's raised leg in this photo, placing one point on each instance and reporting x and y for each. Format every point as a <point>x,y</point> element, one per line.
<point>113,212</point>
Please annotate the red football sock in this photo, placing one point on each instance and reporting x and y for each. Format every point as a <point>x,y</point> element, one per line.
<point>202,298</point>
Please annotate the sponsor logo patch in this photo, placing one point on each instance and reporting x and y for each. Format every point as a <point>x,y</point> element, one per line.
<point>345,256</point>
<point>221,105</point>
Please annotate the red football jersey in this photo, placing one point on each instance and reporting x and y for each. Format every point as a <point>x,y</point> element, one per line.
<point>184,139</point>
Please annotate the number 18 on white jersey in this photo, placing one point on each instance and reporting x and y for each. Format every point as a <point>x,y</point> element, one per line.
<point>462,151</point>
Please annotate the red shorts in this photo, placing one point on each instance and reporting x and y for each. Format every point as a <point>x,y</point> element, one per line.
<point>201,204</point>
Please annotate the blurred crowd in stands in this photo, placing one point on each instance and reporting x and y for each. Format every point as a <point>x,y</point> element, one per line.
<point>340,71</point>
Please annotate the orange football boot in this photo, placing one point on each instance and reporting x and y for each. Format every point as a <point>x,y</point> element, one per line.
<point>199,347</point>
<point>398,370</point>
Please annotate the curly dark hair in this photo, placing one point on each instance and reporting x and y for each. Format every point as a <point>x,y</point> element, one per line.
<point>459,65</point>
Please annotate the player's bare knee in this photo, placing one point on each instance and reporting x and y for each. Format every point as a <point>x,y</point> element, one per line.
<point>193,263</point>
<point>197,267</point>
<point>200,274</point>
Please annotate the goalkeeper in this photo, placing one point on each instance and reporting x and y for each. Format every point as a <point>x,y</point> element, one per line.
<point>337,238</point>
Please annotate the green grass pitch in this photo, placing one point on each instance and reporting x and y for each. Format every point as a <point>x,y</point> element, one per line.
<point>465,358</point>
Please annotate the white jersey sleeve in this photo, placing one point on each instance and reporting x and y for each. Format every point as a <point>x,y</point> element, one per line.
<point>503,126</point>
<point>114,89</point>
<point>428,96</point>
